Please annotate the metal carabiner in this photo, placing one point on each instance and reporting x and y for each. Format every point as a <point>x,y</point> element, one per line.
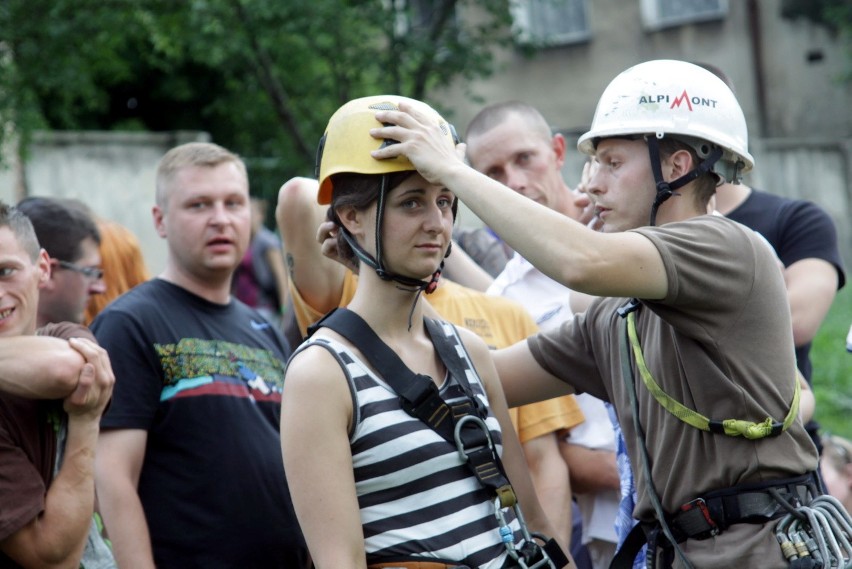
<point>507,536</point>
<point>463,452</point>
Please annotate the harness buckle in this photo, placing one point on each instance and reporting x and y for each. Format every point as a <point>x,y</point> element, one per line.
<point>693,527</point>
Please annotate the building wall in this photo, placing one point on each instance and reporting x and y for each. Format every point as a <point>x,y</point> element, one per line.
<point>801,98</point>
<point>805,150</point>
<point>787,76</point>
<point>112,172</point>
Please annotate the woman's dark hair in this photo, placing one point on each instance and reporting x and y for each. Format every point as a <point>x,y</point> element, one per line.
<point>358,191</point>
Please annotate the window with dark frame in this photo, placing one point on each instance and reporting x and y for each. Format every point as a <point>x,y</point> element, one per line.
<point>661,14</point>
<point>551,22</point>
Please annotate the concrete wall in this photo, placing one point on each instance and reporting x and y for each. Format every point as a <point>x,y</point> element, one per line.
<point>787,76</point>
<point>112,172</point>
<point>815,169</point>
<point>802,148</point>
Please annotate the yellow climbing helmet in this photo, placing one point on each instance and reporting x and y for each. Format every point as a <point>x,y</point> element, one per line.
<point>346,145</point>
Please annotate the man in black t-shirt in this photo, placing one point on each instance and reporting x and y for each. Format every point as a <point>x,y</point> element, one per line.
<point>189,468</point>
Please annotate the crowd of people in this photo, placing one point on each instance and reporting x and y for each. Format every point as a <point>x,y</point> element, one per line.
<point>617,368</point>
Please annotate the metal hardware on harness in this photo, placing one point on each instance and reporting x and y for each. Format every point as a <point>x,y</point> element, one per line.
<point>482,458</point>
<point>464,425</point>
<point>700,506</point>
<point>463,452</point>
<point>713,513</point>
<point>531,555</point>
<point>816,535</point>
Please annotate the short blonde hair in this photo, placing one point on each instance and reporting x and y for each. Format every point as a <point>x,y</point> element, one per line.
<point>204,154</point>
<point>494,115</point>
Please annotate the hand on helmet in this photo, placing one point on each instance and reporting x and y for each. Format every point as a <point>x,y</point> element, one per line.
<point>420,140</point>
<point>583,199</point>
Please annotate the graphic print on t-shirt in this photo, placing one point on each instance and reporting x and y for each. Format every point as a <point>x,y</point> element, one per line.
<point>194,367</point>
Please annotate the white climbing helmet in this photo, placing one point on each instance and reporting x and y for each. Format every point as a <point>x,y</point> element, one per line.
<point>678,99</point>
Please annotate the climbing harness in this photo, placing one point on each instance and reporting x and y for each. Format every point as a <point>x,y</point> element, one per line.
<point>412,564</point>
<point>711,514</point>
<point>462,424</point>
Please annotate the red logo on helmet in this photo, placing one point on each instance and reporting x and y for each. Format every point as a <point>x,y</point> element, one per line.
<point>678,100</point>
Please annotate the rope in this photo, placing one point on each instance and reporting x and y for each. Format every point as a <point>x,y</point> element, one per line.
<point>729,427</point>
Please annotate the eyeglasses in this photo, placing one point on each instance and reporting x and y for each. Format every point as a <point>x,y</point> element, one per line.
<point>93,273</point>
<point>836,446</point>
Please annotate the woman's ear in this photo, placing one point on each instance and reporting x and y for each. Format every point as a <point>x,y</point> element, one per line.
<point>351,219</point>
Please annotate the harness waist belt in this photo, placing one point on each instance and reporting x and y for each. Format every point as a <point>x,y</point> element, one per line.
<point>415,565</point>
<point>715,512</point>
<point>712,514</point>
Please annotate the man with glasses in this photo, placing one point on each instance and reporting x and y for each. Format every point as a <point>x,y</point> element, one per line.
<point>71,238</point>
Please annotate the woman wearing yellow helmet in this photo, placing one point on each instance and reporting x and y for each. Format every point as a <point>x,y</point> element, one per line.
<point>402,466</point>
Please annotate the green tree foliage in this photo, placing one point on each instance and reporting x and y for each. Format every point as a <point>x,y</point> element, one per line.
<point>261,75</point>
<point>55,62</point>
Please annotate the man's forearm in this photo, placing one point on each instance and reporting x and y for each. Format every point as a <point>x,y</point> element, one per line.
<point>551,481</point>
<point>38,367</point>
<point>125,523</point>
<point>58,535</point>
<point>591,470</point>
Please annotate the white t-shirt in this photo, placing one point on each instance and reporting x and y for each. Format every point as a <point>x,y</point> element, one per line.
<point>544,298</point>
<point>549,304</point>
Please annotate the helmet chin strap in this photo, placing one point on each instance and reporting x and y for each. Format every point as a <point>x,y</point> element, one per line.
<point>665,189</point>
<point>377,263</point>
<point>408,282</point>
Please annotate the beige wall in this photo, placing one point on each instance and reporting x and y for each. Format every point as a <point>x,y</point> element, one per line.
<point>804,148</point>
<point>112,172</point>
<point>806,152</point>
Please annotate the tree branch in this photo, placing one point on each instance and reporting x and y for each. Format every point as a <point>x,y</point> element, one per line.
<point>264,67</point>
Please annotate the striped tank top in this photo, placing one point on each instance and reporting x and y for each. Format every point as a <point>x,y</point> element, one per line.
<point>416,496</point>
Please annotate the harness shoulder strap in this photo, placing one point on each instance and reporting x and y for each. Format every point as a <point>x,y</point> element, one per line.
<point>729,427</point>
<point>418,393</point>
<point>627,314</point>
<point>448,350</point>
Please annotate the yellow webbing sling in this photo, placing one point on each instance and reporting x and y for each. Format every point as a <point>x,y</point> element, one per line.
<point>730,427</point>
